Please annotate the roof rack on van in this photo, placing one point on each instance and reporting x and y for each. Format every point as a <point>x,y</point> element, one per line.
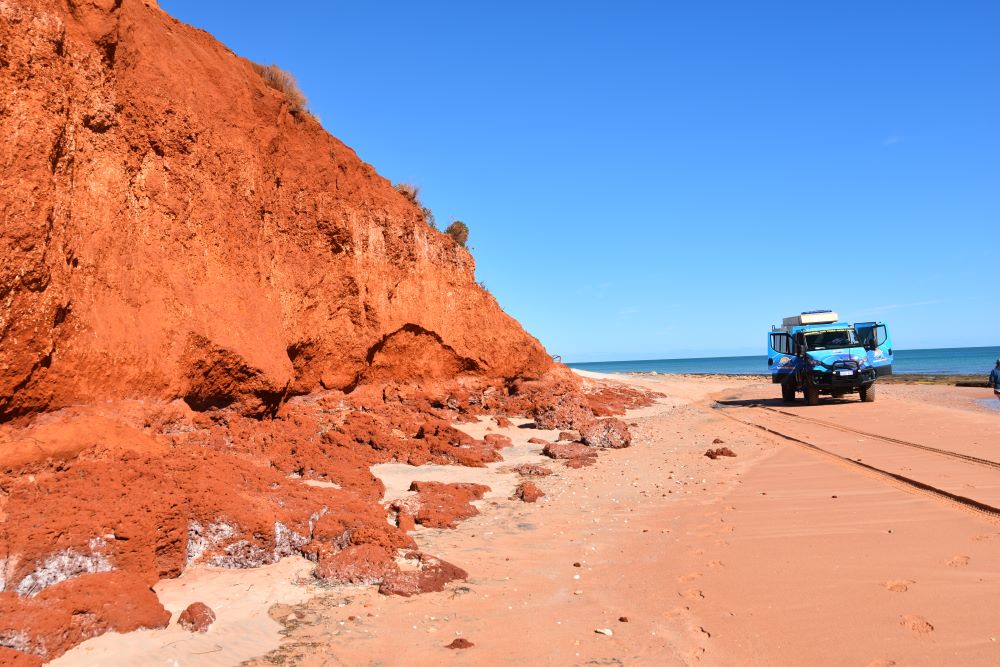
<point>810,317</point>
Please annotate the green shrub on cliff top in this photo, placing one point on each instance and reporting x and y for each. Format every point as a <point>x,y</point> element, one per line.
<point>459,231</point>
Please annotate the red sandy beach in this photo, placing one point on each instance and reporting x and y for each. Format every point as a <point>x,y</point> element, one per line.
<point>659,555</point>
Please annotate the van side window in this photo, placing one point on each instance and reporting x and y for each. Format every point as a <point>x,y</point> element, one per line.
<point>781,343</point>
<point>880,335</point>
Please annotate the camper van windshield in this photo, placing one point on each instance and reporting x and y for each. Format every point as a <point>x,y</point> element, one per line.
<point>826,340</point>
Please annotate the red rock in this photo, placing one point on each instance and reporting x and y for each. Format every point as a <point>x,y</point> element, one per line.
<point>528,492</point>
<point>568,411</point>
<point>607,399</point>
<point>575,454</point>
<point>531,470</point>
<point>538,441</point>
<point>610,433</point>
<point>11,658</point>
<point>460,642</point>
<point>721,451</point>
<point>405,521</point>
<point>65,614</point>
<point>197,617</point>
<point>443,505</point>
<point>567,436</point>
<point>567,451</point>
<point>224,306</point>
<point>356,564</point>
<point>497,440</point>
<point>503,422</point>
<point>431,575</point>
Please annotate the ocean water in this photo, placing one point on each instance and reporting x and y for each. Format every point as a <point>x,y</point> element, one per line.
<point>941,361</point>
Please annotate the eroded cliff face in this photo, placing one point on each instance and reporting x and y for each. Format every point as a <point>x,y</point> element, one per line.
<point>214,318</point>
<point>172,227</point>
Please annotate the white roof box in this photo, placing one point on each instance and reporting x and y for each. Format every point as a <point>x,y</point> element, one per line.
<point>811,317</point>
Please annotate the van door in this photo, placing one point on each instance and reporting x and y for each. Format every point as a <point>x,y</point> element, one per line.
<point>780,358</point>
<point>876,335</point>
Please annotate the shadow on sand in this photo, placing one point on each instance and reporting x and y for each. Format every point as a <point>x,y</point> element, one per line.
<point>777,402</point>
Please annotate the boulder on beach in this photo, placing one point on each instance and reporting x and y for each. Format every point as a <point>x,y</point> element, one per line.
<point>610,433</point>
<point>528,492</point>
<point>198,617</point>
<point>718,452</point>
<point>575,454</point>
<point>425,574</point>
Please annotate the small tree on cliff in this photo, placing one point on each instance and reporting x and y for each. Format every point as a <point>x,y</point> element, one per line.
<point>429,217</point>
<point>458,231</point>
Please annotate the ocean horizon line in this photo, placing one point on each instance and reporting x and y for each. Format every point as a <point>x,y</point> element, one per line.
<point>747,356</point>
<point>976,360</point>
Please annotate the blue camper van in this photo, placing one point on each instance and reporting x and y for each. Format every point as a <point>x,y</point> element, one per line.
<point>816,354</point>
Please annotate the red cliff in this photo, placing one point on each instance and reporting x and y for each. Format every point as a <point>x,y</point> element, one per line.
<point>173,227</point>
<point>207,301</point>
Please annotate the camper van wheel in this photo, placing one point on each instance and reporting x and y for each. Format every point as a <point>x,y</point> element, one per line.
<point>812,393</point>
<point>867,393</point>
<point>788,391</point>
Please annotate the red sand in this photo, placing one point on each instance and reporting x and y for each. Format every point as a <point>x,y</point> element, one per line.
<point>780,556</point>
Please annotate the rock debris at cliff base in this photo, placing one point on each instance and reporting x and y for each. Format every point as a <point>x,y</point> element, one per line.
<point>214,318</point>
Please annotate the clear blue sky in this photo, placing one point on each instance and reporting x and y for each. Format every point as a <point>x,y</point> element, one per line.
<point>668,179</point>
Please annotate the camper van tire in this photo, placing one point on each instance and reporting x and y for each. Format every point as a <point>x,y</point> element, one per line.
<point>867,393</point>
<point>812,393</point>
<point>788,391</point>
